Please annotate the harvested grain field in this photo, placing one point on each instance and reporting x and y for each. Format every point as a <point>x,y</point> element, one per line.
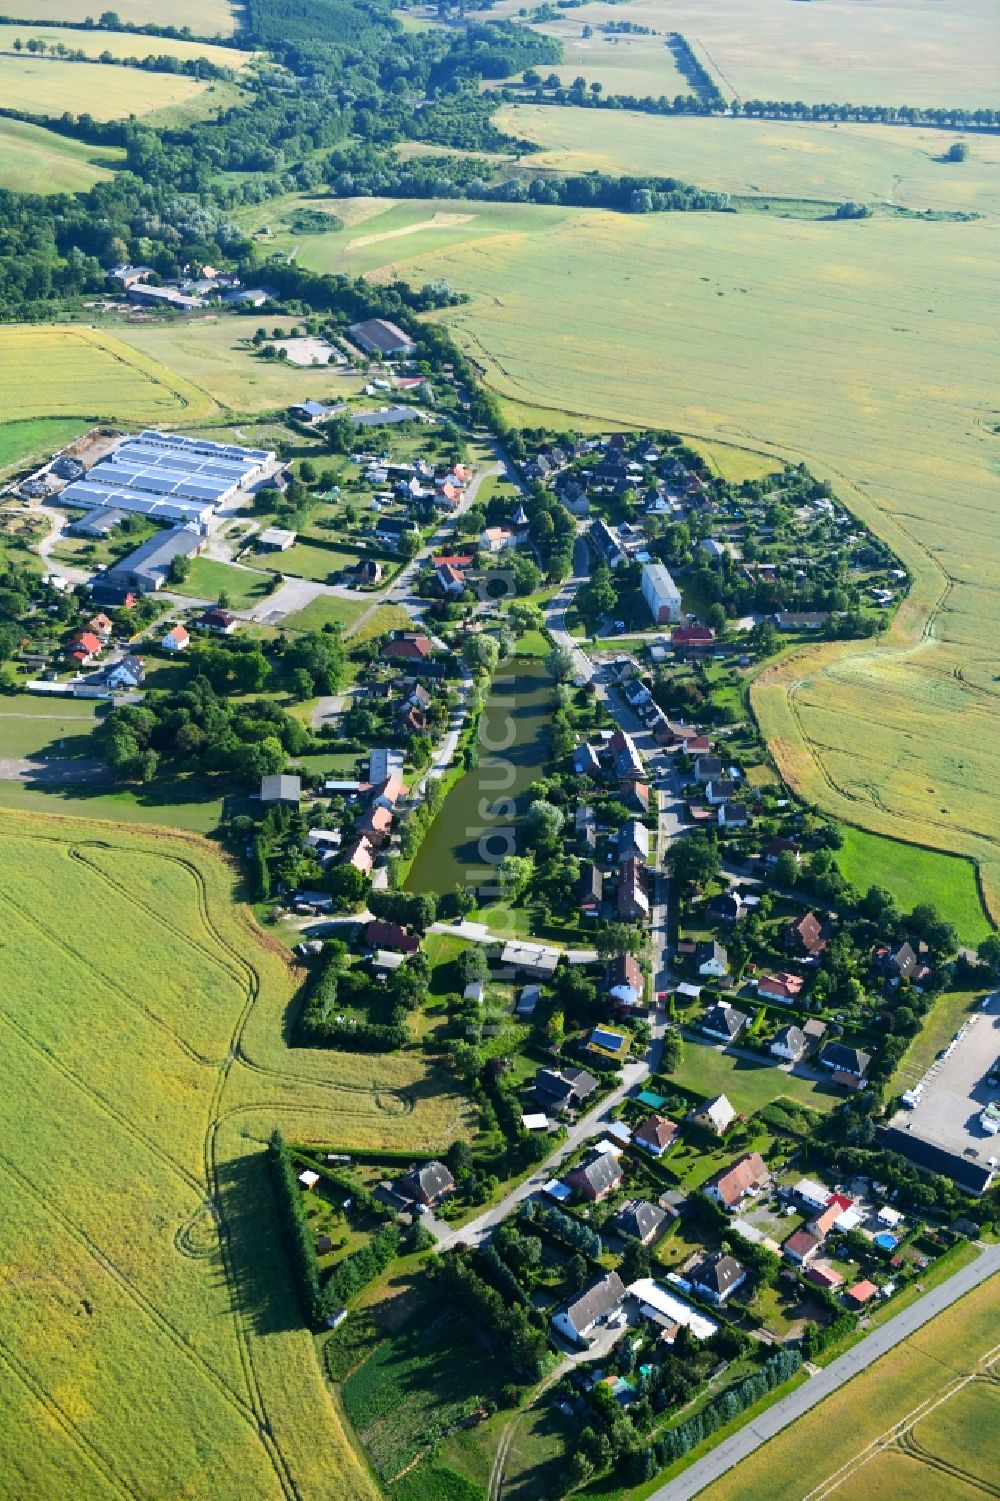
<point>919,1422</point>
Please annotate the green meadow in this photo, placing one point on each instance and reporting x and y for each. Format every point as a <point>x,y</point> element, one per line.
<point>916,875</point>
<point>36,160</point>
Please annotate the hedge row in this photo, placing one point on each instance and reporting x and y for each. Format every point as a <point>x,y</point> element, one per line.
<point>298,1233</point>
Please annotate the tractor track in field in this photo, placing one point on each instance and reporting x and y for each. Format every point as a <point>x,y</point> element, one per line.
<point>154,1315</point>
<point>241,971</point>
<point>144,1011</point>
<point>104,1105</point>
<point>61,1419</point>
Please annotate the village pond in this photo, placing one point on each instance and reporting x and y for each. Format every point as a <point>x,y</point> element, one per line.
<point>478,822</point>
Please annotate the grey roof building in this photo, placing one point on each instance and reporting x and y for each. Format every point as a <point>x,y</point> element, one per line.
<point>381,336</point>
<point>576,1320</point>
<point>639,1220</point>
<point>145,570</point>
<point>426,1184</point>
<point>718,1276</point>
<point>281,789</point>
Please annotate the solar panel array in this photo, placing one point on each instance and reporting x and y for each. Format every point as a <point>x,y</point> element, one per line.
<point>88,496</point>
<point>168,477</point>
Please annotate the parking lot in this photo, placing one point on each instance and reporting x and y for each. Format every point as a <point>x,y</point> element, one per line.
<point>955,1090</point>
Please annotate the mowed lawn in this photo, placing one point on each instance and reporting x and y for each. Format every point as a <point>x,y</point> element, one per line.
<point>916,875</point>
<point>30,724</point>
<point>306,560</point>
<point>207,579</point>
<point>858,348</point>
<point>747,1083</point>
<point>204,17</point>
<point>765,159</point>
<point>74,371</point>
<point>49,86</point>
<point>132,982</point>
<point>806,1457</point>
<point>326,610</point>
<point>36,160</point>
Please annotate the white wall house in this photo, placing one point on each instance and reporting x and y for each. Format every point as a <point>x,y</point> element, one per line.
<point>661,594</point>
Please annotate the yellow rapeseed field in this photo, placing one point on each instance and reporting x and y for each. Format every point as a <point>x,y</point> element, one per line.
<point>150,1341</point>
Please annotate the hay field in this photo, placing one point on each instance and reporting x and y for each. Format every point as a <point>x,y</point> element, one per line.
<point>402,232</point>
<point>769,158</point>
<point>204,17</point>
<point>119,43</point>
<point>35,160</point>
<point>68,370</point>
<point>865,349</point>
<point>914,52</point>
<point>46,86</point>
<point>149,1337</point>
<point>892,1429</point>
<point>621,64</point>
<point>209,355</point>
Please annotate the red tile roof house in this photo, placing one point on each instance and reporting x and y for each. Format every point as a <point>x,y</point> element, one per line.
<point>409,647</point>
<point>806,936</point>
<point>634,794</point>
<point>360,854</point>
<point>801,1247</point>
<point>821,1275</point>
<point>176,639</point>
<point>387,794</point>
<point>747,1176</point>
<point>624,981</point>
<point>692,635</point>
<point>220,621</point>
<point>102,625</point>
<point>84,647</point>
<point>450,580</point>
<point>375,824</point>
<point>862,1292</point>
<point>780,987</point>
<point>655,1134</point>
<point>389,935</point>
<point>825,1221</point>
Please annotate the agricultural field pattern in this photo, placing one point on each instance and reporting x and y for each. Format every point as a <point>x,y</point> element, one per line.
<point>159,1282</point>
<point>342,1159</point>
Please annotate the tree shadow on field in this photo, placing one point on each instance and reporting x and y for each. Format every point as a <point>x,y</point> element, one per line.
<point>261,1285</point>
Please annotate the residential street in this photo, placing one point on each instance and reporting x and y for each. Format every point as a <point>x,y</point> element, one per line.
<point>590,1125</point>
<point>829,1378</point>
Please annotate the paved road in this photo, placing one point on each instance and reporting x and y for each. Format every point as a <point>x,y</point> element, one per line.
<point>589,1125</point>
<point>722,1459</point>
<point>59,522</point>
